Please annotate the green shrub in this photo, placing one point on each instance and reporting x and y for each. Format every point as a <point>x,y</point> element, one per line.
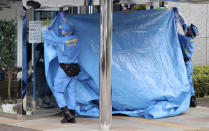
<point>8,49</point>
<point>201,80</point>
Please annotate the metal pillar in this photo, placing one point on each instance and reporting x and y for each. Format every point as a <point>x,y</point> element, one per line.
<point>19,14</point>
<point>105,100</point>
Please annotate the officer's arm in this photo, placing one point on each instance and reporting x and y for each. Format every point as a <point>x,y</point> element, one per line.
<point>181,19</point>
<point>51,38</point>
<point>183,23</point>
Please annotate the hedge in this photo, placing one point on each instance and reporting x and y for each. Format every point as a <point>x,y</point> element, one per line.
<point>201,80</point>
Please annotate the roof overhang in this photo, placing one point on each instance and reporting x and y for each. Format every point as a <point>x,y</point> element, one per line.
<point>67,3</point>
<point>4,3</point>
<point>191,1</point>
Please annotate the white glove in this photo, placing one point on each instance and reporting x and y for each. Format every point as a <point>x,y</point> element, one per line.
<point>45,28</point>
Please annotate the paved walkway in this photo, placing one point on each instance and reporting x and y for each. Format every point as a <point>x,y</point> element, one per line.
<point>195,119</point>
<point>203,102</point>
<point>14,128</point>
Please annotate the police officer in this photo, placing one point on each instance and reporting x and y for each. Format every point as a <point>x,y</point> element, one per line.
<point>187,43</point>
<point>67,47</point>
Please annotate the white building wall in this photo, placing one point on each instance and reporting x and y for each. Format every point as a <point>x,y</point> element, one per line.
<point>8,13</point>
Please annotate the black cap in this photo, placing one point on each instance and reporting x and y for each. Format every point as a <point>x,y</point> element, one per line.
<point>34,4</point>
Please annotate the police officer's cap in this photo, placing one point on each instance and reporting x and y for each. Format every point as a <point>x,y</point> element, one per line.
<point>66,27</point>
<point>194,30</point>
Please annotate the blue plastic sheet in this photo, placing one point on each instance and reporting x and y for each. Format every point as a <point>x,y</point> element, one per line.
<point>148,72</point>
<point>24,57</point>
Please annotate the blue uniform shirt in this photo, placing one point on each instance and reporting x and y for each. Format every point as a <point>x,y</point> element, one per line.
<point>187,45</point>
<point>67,46</point>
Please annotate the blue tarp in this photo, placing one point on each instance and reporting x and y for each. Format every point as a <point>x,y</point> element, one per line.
<point>24,57</point>
<point>148,72</point>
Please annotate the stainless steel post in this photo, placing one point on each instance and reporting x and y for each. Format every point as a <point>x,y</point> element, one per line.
<point>105,101</point>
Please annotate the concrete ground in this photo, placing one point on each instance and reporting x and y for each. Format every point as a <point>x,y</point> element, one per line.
<point>195,119</point>
<point>13,128</point>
